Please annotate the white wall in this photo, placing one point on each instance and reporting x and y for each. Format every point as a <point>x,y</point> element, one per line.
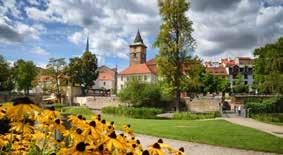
<point>122,79</point>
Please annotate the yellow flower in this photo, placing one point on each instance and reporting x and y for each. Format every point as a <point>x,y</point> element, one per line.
<point>20,127</point>
<point>21,108</point>
<point>112,143</point>
<point>155,149</point>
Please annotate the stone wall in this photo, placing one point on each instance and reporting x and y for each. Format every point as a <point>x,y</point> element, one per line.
<point>203,104</point>
<point>97,102</point>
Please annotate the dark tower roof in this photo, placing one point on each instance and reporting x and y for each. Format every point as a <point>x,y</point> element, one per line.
<point>87,46</point>
<point>138,38</point>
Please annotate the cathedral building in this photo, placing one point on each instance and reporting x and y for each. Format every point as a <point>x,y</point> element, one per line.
<point>139,67</point>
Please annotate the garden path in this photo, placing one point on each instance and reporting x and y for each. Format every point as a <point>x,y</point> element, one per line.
<point>197,149</point>
<point>275,130</point>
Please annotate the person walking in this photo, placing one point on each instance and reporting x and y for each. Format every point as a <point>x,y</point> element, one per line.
<point>239,110</point>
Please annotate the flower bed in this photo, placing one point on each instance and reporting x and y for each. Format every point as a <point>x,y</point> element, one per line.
<point>28,129</point>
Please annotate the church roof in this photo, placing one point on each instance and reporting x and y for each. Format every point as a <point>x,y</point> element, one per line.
<point>136,69</point>
<point>87,46</point>
<point>138,40</point>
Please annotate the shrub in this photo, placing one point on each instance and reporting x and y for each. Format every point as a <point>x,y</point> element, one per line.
<point>140,94</point>
<point>195,116</point>
<point>132,111</point>
<point>272,117</point>
<point>272,105</point>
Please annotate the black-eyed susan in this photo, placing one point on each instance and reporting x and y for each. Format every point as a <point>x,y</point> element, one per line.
<point>155,149</point>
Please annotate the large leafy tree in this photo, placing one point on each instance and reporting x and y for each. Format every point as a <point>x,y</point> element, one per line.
<point>83,71</point>
<point>6,75</point>
<point>174,41</point>
<point>268,68</point>
<point>55,69</point>
<point>25,72</point>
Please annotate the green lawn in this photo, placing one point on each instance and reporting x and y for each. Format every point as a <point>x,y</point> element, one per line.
<point>215,132</point>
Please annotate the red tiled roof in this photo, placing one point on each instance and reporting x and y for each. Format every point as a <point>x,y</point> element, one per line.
<point>228,62</point>
<point>136,69</point>
<point>216,70</point>
<point>152,66</point>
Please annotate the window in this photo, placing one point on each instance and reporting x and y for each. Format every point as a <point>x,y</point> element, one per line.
<point>104,83</point>
<point>246,76</point>
<point>135,55</point>
<point>127,78</point>
<point>234,82</point>
<point>121,86</point>
<point>246,82</point>
<point>145,78</point>
<point>139,78</point>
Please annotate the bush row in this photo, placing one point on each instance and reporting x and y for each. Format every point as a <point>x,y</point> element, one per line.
<point>272,117</point>
<point>132,111</point>
<point>195,116</point>
<point>273,105</point>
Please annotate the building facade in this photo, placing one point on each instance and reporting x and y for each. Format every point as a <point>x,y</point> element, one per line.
<point>138,68</point>
<point>107,79</point>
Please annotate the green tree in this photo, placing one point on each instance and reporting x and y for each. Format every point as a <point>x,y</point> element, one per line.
<point>55,69</point>
<point>240,86</point>
<point>268,68</point>
<point>83,71</point>
<point>194,73</point>
<point>174,41</point>
<point>25,72</point>
<point>6,76</point>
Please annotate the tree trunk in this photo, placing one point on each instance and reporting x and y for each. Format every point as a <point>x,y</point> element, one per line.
<point>178,99</point>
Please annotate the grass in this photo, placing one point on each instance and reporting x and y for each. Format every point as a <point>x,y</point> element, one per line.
<point>78,110</point>
<point>214,132</point>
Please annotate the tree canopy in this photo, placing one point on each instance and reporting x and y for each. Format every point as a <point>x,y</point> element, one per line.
<point>25,72</point>
<point>174,42</point>
<point>83,70</point>
<point>268,68</point>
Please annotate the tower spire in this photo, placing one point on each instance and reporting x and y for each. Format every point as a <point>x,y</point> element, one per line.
<point>87,45</point>
<point>138,38</point>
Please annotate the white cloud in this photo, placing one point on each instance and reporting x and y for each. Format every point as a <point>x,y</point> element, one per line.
<point>39,51</point>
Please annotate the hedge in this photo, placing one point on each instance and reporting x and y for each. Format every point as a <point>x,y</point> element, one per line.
<point>133,112</point>
<point>195,116</point>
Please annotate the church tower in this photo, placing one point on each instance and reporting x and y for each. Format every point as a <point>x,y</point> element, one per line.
<point>137,51</point>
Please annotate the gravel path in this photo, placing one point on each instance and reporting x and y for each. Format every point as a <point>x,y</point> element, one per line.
<point>275,130</point>
<point>198,149</point>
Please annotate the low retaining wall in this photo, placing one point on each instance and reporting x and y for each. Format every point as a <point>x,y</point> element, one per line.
<point>203,104</point>
<point>97,102</point>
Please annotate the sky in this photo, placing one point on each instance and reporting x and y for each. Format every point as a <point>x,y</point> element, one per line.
<point>41,29</point>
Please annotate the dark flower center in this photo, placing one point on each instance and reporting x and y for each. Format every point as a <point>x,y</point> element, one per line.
<point>100,148</point>
<point>103,121</point>
<point>80,147</point>
<point>51,108</point>
<point>113,135</point>
<point>57,121</point>
<point>145,152</point>
<point>129,125</point>
<point>79,131</point>
<point>92,123</point>
<point>156,146</point>
<point>138,142</point>
<point>129,153</point>
<point>134,145</point>
<point>181,149</point>
<point>4,125</point>
<point>112,123</point>
<point>80,117</point>
<point>160,141</point>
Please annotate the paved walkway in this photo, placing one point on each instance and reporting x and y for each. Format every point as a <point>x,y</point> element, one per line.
<point>198,149</point>
<point>275,130</point>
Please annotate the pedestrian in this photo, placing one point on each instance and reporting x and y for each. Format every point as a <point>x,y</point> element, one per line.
<point>239,110</point>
